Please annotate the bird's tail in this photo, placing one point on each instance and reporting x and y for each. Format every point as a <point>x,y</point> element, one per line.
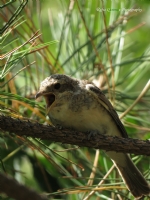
<point>135,181</point>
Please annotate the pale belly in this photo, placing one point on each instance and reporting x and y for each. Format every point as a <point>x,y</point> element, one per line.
<point>85,119</point>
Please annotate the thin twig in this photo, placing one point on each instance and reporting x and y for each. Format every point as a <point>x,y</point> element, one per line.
<point>146,88</point>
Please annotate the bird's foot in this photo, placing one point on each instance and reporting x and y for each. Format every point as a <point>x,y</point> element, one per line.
<point>58,126</point>
<point>92,133</point>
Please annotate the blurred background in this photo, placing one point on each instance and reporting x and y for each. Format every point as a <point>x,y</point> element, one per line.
<point>107,42</point>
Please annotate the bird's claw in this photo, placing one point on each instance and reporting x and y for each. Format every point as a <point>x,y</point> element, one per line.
<point>58,126</point>
<point>92,133</point>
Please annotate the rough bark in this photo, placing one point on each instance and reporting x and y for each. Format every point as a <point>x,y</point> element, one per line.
<point>17,191</point>
<point>36,130</point>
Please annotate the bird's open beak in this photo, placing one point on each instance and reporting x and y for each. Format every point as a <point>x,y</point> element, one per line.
<point>49,98</point>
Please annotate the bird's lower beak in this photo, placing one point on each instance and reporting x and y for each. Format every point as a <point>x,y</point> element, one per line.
<point>49,98</point>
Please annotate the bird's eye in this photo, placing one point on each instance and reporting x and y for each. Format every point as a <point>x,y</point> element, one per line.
<point>57,86</point>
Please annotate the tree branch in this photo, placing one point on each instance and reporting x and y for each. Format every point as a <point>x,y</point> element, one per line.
<point>36,130</point>
<point>15,190</point>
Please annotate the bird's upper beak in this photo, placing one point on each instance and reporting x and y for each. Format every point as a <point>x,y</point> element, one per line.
<point>39,94</point>
<point>48,96</point>
<point>42,92</point>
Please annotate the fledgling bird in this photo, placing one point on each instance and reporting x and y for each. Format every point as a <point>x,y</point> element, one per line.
<point>80,105</point>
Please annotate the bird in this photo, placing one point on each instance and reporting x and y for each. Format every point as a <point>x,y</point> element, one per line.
<point>82,106</point>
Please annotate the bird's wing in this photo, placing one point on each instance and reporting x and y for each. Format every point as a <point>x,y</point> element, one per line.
<point>107,105</point>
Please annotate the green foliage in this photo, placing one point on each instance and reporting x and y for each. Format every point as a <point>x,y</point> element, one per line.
<point>95,40</point>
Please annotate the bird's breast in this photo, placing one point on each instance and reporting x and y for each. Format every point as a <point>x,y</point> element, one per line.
<point>82,113</point>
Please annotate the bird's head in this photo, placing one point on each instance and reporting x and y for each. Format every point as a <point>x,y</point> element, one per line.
<point>54,85</point>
